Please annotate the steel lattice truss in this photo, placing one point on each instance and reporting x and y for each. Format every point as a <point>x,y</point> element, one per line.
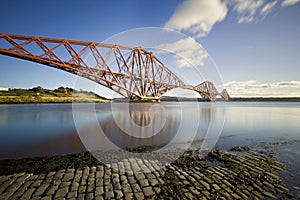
<point>209,92</point>
<point>224,94</point>
<point>130,71</point>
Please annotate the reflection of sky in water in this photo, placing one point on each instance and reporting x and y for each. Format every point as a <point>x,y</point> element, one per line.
<point>31,123</point>
<point>141,124</point>
<point>263,119</point>
<point>48,129</point>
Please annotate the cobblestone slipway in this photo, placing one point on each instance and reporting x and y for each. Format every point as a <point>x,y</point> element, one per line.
<point>240,177</point>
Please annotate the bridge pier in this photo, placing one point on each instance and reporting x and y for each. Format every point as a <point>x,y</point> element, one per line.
<point>136,74</point>
<point>146,99</point>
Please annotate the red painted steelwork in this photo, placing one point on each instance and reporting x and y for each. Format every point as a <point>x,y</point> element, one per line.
<point>128,70</point>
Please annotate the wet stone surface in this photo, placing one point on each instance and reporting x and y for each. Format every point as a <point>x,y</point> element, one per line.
<point>220,175</point>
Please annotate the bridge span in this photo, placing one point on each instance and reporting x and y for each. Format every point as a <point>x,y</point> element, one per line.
<point>131,71</point>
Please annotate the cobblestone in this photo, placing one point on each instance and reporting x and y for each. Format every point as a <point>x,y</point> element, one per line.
<point>102,182</point>
<point>61,192</point>
<point>99,191</point>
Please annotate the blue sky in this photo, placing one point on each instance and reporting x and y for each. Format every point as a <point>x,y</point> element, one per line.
<point>254,43</point>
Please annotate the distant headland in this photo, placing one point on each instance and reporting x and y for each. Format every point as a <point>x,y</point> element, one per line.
<point>41,95</point>
<point>237,99</point>
<point>69,95</point>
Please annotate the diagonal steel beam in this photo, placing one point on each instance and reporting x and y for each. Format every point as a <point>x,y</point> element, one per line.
<point>140,75</point>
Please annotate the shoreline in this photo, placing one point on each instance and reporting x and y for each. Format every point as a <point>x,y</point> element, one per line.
<point>238,174</point>
<point>85,158</point>
<point>41,95</point>
<point>60,100</point>
<point>46,100</point>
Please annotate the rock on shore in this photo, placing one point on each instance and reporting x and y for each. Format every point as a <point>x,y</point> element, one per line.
<point>220,175</point>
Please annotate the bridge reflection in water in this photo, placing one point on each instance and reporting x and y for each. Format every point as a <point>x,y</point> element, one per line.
<point>141,124</point>
<point>148,124</point>
<point>49,128</point>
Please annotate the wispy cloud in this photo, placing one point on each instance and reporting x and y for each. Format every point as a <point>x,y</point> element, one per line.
<point>249,10</point>
<point>197,16</point>
<point>187,52</point>
<point>254,88</point>
<point>289,2</point>
<point>267,8</point>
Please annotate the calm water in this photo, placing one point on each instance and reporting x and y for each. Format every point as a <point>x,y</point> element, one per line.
<point>53,129</point>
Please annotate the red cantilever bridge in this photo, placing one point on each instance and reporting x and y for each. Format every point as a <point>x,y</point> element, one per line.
<point>128,70</point>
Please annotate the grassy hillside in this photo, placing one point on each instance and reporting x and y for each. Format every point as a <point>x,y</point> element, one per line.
<point>41,95</point>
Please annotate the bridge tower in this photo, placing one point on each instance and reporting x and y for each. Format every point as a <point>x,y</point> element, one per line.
<point>131,71</point>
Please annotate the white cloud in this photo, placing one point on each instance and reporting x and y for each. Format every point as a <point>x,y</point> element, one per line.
<point>197,16</point>
<point>268,7</point>
<point>294,84</point>
<point>254,88</point>
<point>249,10</point>
<point>289,2</point>
<point>187,52</point>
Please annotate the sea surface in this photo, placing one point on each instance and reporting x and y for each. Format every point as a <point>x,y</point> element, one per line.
<point>34,130</point>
